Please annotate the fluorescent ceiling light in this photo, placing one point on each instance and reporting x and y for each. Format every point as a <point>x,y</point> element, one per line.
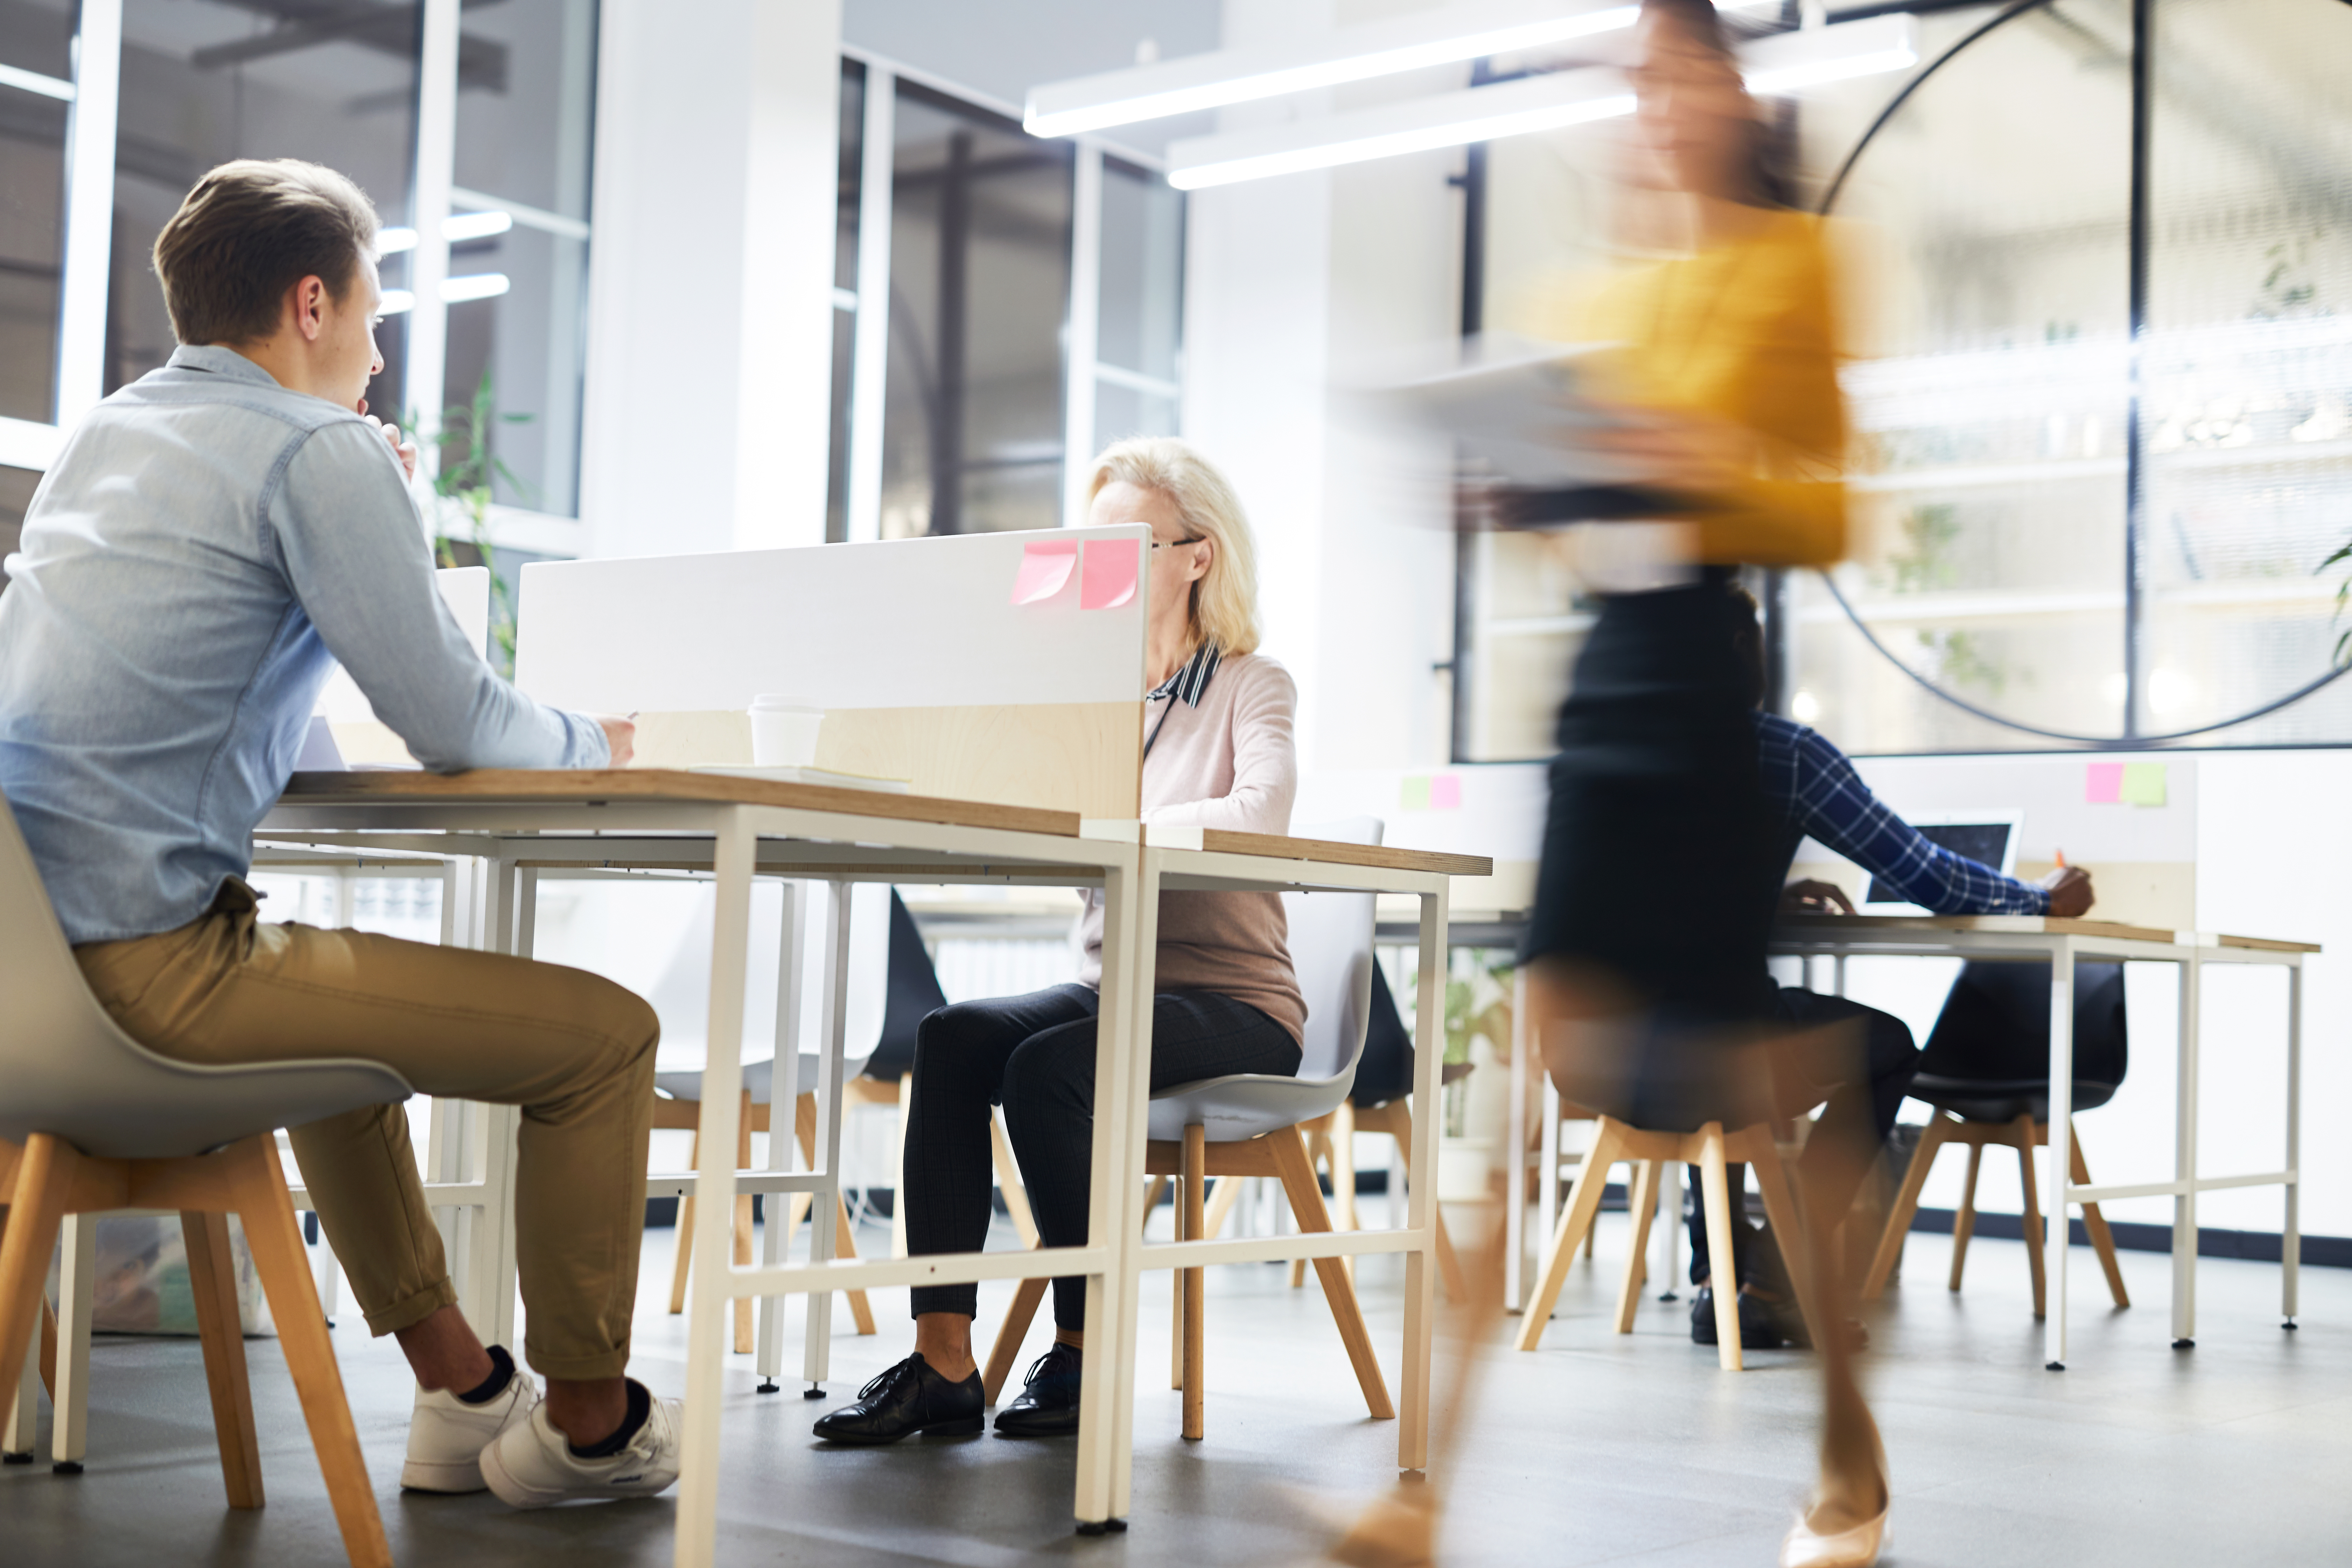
<point>456,229</point>
<point>479,286</point>
<point>1778,64</point>
<point>1442,37</point>
<point>33,81</point>
<point>459,227</point>
<point>453,292</point>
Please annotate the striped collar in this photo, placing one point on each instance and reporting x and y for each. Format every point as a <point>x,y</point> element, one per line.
<point>1192,678</point>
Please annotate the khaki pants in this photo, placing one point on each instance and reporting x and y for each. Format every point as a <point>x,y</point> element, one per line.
<point>574,1050</point>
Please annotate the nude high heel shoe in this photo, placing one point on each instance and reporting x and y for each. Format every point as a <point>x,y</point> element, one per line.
<point>1857,1547</point>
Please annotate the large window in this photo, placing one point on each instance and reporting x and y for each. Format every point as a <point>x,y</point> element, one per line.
<point>2101,391</point>
<point>1004,306</point>
<point>479,168</point>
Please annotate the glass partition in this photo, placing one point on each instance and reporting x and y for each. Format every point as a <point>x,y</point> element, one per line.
<point>35,40</point>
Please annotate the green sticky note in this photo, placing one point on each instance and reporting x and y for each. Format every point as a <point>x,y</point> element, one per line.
<point>2143,784</point>
<point>1416,795</point>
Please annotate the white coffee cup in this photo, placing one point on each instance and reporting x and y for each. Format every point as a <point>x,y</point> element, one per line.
<point>783,735</point>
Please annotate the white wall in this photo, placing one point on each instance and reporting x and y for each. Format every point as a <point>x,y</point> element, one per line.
<point>1290,283</point>
<point>710,315</point>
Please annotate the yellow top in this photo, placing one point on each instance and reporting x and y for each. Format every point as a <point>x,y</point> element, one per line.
<point>1743,331</point>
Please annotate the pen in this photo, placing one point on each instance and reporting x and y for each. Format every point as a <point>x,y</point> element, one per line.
<point>2062,854</point>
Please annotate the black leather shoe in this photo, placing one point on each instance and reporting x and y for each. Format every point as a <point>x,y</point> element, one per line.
<point>1049,1405</point>
<point>1760,1328</point>
<point>907,1399</point>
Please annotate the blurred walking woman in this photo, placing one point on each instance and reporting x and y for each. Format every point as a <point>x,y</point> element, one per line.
<point>1647,949</point>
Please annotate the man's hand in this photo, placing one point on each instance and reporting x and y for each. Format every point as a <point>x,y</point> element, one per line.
<point>1813,898</point>
<point>406,450</point>
<point>621,734</point>
<point>2070,891</point>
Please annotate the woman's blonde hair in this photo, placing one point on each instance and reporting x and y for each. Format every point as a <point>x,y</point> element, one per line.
<point>1224,601</point>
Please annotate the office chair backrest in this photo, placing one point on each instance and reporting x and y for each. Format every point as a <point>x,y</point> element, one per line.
<point>914,995</point>
<point>67,1069</point>
<point>1331,953</point>
<point>1996,1024</point>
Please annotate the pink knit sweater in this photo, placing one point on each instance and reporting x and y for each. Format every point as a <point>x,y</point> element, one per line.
<point>1228,763</point>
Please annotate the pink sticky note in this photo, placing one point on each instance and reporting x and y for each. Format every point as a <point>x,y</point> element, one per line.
<point>1446,792</point>
<point>1109,579</point>
<point>2104,784</point>
<point>1045,568</point>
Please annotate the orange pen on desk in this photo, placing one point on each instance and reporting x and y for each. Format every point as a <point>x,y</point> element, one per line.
<point>2062,859</point>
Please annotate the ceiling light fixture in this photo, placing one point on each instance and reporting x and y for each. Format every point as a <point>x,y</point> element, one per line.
<point>1442,37</point>
<point>1781,63</point>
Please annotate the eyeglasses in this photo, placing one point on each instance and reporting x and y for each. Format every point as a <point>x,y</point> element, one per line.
<point>1179,543</point>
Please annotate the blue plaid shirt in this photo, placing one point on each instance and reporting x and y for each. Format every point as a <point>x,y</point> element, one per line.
<point>1818,795</point>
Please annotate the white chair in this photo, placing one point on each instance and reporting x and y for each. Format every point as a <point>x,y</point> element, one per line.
<point>91,1121</point>
<point>1246,1124</point>
<point>682,999</point>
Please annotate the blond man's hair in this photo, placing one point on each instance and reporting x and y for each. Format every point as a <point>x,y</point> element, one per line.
<point>1224,601</point>
<point>250,230</point>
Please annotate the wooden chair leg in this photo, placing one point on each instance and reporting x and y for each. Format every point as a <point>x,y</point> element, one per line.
<point>2102,1240</point>
<point>685,1265</point>
<point>1780,1212</point>
<point>1964,1222</point>
<point>1905,1208</point>
<point>1008,1182</point>
<point>212,1279</point>
<point>257,1184</point>
<point>1009,1335</point>
<point>1449,1266</point>
<point>1721,1261</point>
<point>48,1349</point>
<point>845,1245</point>
<point>1196,1177</point>
<point>1306,1204</point>
<point>1645,1204</point>
<point>2022,1131</point>
<point>45,1174</point>
<point>741,1232</point>
<point>1582,1205</point>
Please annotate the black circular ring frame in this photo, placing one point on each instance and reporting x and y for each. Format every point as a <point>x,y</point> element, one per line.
<point>1829,200</point>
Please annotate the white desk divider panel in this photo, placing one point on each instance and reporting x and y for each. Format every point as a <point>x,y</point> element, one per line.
<point>358,734</point>
<point>975,667</point>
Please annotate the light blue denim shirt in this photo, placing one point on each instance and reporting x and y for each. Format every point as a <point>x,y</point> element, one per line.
<point>202,551</point>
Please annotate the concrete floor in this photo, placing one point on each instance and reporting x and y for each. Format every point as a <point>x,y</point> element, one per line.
<point>1594,1449</point>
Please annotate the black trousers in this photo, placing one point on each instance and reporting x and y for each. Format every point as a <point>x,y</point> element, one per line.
<point>1036,1054</point>
<point>1890,1059</point>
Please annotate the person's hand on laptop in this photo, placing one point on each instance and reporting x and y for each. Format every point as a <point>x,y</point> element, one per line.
<point>621,734</point>
<point>1810,897</point>
<point>2070,891</point>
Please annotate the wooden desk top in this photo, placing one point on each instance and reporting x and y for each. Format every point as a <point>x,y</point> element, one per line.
<point>582,785</point>
<point>1818,926</point>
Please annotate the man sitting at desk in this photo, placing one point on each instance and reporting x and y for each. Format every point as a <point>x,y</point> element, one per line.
<point>214,537</point>
<point>1815,793</point>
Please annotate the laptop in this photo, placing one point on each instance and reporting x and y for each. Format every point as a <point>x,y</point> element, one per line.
<point>1987,838</point>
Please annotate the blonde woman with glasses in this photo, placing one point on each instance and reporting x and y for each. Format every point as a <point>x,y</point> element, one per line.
<point>1217,754</point>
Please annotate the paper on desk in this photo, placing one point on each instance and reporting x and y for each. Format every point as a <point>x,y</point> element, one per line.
<point>1109,580</point>
<point>1046,567</point>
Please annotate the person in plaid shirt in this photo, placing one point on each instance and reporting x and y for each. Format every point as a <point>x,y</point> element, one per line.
<point>1814,792</point>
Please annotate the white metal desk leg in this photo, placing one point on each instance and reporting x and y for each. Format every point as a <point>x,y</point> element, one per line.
<point>1421,1199</point>
<point>77,1287</point>
<point>1515,1152</point>
<point>1107,1381</point>
<point>2059,1184</point>
<point>2184,1159</point>
<point>785,1093</point>
<point>707,1336</point>
<point>2291,1238</point>
<point>825,1201</point>
<point>1547,1156</point>
<point>1670,1229</point>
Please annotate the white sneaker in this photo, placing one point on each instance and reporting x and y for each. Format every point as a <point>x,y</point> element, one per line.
<point>531,1464</point>
<point>447,1436</point>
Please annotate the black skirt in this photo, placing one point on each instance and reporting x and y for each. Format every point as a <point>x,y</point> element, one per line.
<point>1658,854</point>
